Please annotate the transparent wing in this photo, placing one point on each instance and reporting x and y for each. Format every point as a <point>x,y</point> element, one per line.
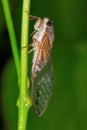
<point>42,86</point>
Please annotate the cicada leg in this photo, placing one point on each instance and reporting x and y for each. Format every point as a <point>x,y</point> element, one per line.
<point>30,50</point>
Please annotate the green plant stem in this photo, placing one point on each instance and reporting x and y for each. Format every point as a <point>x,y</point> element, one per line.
<point>24,102</point>
<point>12,35</point>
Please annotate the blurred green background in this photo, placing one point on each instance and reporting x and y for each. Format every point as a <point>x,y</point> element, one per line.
<point>67,109</point>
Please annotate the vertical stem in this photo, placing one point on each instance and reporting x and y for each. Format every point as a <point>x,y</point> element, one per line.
<point>24,102</point>
<point>12,35</point>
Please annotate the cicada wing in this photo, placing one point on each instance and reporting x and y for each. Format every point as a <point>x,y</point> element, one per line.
<point>42,90</point>
<point>42,86</point>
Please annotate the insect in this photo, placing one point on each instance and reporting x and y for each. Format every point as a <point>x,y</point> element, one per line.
<point>42,71</point>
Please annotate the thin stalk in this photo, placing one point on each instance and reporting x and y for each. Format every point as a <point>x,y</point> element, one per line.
<point>24,102</point>
<point>12,35</point>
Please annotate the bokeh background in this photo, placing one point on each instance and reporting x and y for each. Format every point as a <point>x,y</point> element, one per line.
<point>67,109</point>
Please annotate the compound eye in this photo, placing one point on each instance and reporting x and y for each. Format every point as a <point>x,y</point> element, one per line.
<point>49,23</point>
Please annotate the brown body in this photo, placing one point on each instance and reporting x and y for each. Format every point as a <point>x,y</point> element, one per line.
<point>43,53</point>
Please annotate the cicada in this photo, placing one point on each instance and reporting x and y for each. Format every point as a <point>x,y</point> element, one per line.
<point>42,71</point>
